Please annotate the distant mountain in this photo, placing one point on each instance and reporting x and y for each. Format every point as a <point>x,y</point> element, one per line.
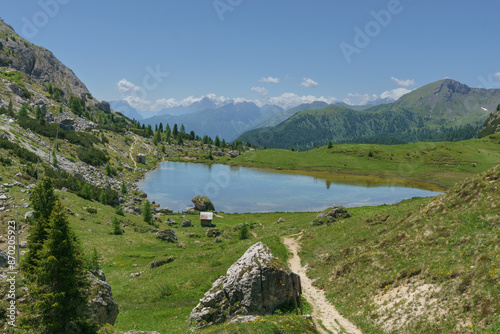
<point>448,103</point>
<point>204,104</point>
<point>126,109</point>
<point>443,110</point>
<point>227,122</point>
<point>286,114</point>
<point>357,108</point>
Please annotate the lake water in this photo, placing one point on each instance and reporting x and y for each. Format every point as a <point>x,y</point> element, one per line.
<point>239,189</point>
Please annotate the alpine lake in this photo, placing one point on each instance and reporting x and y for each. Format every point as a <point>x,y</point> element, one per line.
<point>239,189</point>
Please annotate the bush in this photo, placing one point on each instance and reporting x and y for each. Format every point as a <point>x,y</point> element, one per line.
<point>119,211</point>
<point>91,155</point>
<point>117,227</point>
<point>244,232</point>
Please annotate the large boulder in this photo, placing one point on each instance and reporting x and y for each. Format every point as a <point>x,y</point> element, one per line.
<point>102,307</point>
<point>257,284</point>
<point>336,212</point>
<point>202,203</point>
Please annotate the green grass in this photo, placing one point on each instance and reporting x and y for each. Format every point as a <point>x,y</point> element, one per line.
<point>441,163</point>
<point>445,249</point>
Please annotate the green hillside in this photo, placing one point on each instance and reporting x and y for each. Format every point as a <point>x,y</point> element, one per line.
<point>443,163</point>
<point>442,111</point>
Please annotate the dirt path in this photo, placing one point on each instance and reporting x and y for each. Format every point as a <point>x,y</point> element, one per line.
<point>322,309</point>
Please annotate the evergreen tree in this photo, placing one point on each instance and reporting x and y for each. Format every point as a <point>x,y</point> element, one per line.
<point>192,135</point>
<point>160,127</point>
<point>180,141</point>
<point>146,212</point>
<point>102,198</point>
<point>217,141</point>
<point>223,143</point>
<point>43,200</point>
<point>87,191</point>
<point>175,131</point>
<point>168,132</point>
<point>10,109</point>
<point>23,112</point>
<point>123,188</point>
<point>60,285</point>
<point>183,129</point>
<point>330,145</point>
<point>117,227</point>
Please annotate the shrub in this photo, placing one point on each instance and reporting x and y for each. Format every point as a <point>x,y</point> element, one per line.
<point>117,227</point>
<point>244,232</point>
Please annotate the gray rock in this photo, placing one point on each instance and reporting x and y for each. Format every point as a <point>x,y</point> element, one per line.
<point>160,262</point>
<point>213,232</point>
<point>4,259</point>
<point>67,124</point>
<point>186,223</point>
<point>258,283</point>
<point>336,211</point>
<point>243,319</point>
<point>28,215</point>
<point>167,235</point>
<point>102,307</point>
<point>16,89</point>
<point>202,203</point>
<point>132,275</point>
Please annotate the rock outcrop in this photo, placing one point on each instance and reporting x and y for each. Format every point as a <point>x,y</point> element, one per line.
<point>102,306</point>
<point>167,235</point>
<point>331,215</point>
<point>202,203</point>
<point>258,283</point>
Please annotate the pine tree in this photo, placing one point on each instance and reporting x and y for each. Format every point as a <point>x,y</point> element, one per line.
<point>43,200</point>
<point>183,129</point>
<point>123,188</point>
<point>175,131</point>
<point>60,285</point>
<point>168,132</point>
<point>330,145</point>
<point>10,109</point>
<point>117,228</point>
<point>87,191</point>
<point>146,212</point>
<point>217,141</point>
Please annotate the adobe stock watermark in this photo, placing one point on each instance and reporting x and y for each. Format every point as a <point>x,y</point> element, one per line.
<point>223,6</point>
<point>211,189</point>
<point>372,29</point>
<point>49,10</point>
<point>151,81</point>
<point>11,274</point>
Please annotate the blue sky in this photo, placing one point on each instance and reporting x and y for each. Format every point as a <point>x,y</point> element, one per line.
<point>160,53</point>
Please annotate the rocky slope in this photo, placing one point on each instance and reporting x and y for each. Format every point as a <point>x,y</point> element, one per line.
<point>492,124</point>
<point>38,63</point>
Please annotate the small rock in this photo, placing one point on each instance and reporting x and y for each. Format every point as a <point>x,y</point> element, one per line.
<point>167,235</point>
<point>186,223</point>
<point>134,275</point>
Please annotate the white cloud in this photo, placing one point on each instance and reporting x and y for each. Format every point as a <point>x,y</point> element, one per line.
<point>290,100</point>
<point>260,90</point>
<point>395,93</point>
<point>497,75</point>
<point>126,87</point>
<point>308,83</point>
<point>270,80</point>
<point>138,103</point>
<point>403,83</point>
<point>359,99</point>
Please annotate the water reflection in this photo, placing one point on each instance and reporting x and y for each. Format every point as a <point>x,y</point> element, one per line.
<point>240,189</point>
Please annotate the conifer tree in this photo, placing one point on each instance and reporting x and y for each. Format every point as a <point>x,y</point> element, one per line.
<point>60,285</point>
<point>175,130</point>
<point>146,212</point>
<point>43,200</point>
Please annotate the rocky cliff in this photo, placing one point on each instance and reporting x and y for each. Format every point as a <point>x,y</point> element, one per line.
<point>39,63</point>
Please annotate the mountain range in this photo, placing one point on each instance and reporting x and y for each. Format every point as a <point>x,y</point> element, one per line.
<point>443,110</point>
